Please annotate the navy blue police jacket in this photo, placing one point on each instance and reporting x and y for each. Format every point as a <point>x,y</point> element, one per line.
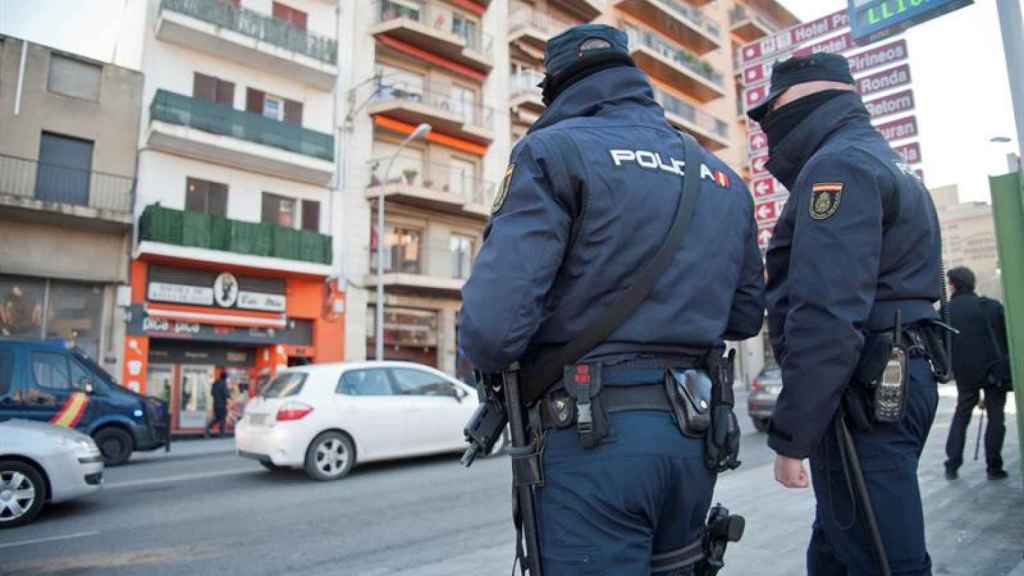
<point>587,200</point>
<point>857,240</point>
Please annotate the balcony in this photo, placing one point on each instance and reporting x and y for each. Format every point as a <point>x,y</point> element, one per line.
<point>251,39</point>
<point>216,132</point>
<point>167,232</point>
<point>431,186</point>
<point>586,9</point>
<point>411,270</point>
<point>748,26</point>
<point>533,28</point>
<point>434,27</point>
<point>674,66</point>
<point>678,21</point>
<point>434,104</point>
<point>524,93</point>
<point>58,195</point>
<point>711,132</point>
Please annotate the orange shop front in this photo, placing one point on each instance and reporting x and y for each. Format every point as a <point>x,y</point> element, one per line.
<point>190,322</point>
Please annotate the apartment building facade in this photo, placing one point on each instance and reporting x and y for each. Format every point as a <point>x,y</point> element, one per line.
<point>67,185</point>
<point>233,263</point>
<point>969,238</point>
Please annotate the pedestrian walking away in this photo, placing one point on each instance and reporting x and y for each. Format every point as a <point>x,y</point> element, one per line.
<point>219,392</point>
<point>980,363</point>
<point>853,273</point>
<point>591,196</point>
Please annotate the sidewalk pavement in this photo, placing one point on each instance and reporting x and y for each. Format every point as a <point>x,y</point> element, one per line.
<point>974,525</point>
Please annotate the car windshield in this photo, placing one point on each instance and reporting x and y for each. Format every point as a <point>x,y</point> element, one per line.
<point>284,385</point>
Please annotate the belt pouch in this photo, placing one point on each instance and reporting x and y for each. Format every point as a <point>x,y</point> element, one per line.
<point>583,383</point>
<point>689,392</point>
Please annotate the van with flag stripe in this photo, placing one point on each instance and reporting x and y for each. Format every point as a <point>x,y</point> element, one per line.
<point>53,382</point>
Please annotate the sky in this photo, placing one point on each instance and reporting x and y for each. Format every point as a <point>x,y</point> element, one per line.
<point>957,66</point>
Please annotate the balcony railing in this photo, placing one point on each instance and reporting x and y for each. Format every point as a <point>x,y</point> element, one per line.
<point>437,268</point>
<point>741,14</point>
<point>61,184</point>
<point>688,111</point>
<point>222,119</point>
<point>437,16</point>
<point>681,57</point>
<point>443,178</point>
<point>543,21</point>
<point>258,26</point>
<point>199,230</point>
<point>391,88</point>
<point>694,15</point>
<point>525,82</point>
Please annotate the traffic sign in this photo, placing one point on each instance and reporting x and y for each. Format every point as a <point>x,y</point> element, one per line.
<point>754,96</point>
<point>757,164</point>
<point>877,57</point>
<point>884,80</point>
<point>899,129</point>
<point>891,104</point>
<point>757,74</point>
<point>795,35</point>
<point>766,187</point>
<point>910,153</point>
<point>768,210</point>
<point>757,141</point>
<point>836,45</point>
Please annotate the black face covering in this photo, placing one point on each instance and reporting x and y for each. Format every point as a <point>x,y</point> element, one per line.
<point>781,121</point>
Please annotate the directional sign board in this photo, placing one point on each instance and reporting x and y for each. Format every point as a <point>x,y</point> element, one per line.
<point>757,142</point>
<point>757,164</point>
<point>764,237</point>
<point>768,210</point>
<point>896,103</point>
<point>787,39</point>
<point>873,20</point>
<point>911,153</point>
<point>898,129</point>
<point>884,80</point>
<point>766,188</point>
<point>878,56</point>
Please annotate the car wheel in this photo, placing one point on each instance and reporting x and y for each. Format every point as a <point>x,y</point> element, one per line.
<point>761,424</point>
<point>330,456</point>
<point>22,493</point>
<point>115,444</point>
<point>271,466</point>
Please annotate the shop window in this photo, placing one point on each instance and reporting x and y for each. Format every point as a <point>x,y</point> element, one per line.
<point>73,314</point>
<point>73,77</point>
<point>213,89</point>
<point>401,249</point>
<point>293,16</point>
<point>461,248</point>
<point>278,210</point>
<point>373,382</point>
<point>420,383</point>
<point>6,371</point>
<point>51,370</point>
<point>206,197</point>
<point>21,307</point>
<point>311,215</point>
<point>64,168</point>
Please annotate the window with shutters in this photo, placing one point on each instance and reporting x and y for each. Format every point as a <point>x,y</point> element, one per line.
<point>206,197</point>
<point>72,77</point>
<point>293,16</point>
<point>311,215</point>
<point>278,210</point>
<point>273,107</point>
<point>213,89</point>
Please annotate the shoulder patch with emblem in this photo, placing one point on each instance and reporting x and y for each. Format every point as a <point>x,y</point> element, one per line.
<point>499,198</point>
<point>825,198</point>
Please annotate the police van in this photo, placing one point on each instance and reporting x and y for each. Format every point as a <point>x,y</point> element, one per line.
<point>54,382</point>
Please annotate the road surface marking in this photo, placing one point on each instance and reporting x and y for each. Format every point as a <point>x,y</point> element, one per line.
<point>49,539</point>
<point>179,478</point>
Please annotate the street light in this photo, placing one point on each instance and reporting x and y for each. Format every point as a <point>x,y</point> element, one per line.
<point>1012,160</point>
<point>421,131</point>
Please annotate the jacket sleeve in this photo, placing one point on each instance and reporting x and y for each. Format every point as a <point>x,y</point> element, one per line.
<point>524,243</point>
<point>833,272</point>
<point>747,313</point>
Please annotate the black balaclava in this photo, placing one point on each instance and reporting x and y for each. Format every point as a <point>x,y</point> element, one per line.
<point>778,123</point>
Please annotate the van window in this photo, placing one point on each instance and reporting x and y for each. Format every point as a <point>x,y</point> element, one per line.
<point>6,370</point>
<point>79,376</point>
<point>51,370</point>
<point>285,384</point>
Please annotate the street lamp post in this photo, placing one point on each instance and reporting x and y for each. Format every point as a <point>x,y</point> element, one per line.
<point>420,132</point>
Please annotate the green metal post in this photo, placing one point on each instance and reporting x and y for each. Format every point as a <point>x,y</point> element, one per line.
<point>1008,213</point>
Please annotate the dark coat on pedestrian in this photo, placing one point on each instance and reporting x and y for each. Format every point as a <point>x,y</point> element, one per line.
<point>219,391</point>
<point>981,344</point>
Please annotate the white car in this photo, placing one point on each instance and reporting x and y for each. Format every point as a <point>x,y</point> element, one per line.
<point>41,463</point>
<point>325,417</point>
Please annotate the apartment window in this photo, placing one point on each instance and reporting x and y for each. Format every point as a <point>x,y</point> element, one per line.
<point>213,89</point>
<point>401,249</point>
<point>400,84</point>
<point>279,210</point>
<point>408,169</point>
<point>72,77</point>
<point>206,197</point>
<point>311,215</point>
<point>467,28</point>
<point>273,107</point>
<point>64,169</point>
<point>461,248</point>
<point>463,102</point>
<point>462,180</point>
<point>293,16</point>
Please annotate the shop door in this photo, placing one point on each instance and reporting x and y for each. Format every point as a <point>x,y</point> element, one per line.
<point>160,383</point>
<point>194,400</point>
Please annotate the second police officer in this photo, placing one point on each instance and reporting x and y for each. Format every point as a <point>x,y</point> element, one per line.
<point>587,200</point>
<point>858,242</point>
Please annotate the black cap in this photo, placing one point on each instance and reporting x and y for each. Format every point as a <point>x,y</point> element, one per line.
<point>799,70</point>
<point>581,42</point>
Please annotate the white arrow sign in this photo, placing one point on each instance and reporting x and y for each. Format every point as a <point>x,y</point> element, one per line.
<point>757,164</point>
<point>764,237</point>
<point>763,187</point>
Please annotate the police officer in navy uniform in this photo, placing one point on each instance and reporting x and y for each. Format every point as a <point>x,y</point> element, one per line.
<point>588,198</point>
<point>857,241</point>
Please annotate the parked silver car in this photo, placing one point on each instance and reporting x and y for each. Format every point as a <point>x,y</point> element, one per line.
<point>42,463</point>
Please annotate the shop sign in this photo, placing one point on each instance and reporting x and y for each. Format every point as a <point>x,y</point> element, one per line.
<point>261,301</point>
<point>203,288</point>
<point>297,332</point>
<point>167,326</point>
<point>873,20</point>
<point>180,294</point>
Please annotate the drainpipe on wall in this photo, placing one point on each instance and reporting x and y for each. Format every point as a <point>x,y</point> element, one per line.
<point>21,77</point>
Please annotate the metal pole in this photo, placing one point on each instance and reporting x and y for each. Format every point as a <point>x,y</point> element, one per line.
<point>1013,49</point>
<point>378,337</point>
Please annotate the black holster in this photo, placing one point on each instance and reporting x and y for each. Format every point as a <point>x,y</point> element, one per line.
<point>722,441</point>
<point>689,392</point>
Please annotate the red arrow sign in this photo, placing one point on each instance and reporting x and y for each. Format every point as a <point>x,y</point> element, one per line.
<point>757,74</point>
<point>763,187</point>
<point>768,210</point>
<point>757,164</point>
<point>764,237</point>
<point>757,141</point>
<point>754,96</point>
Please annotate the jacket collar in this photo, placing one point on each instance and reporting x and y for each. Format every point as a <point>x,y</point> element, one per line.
<point>599,94</point>
<point>788,158</point>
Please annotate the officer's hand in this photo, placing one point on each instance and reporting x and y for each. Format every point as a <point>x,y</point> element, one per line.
<point>790,472</point>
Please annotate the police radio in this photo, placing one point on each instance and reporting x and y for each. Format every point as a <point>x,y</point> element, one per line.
<point>890,399</point>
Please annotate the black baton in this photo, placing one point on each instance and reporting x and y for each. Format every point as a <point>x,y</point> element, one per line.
<point>849,454</point>
<point>523,489</point>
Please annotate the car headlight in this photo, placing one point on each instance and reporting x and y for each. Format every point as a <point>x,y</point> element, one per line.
<point>81,446</point>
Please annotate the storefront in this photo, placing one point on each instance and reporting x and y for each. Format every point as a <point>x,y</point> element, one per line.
<point>190,322</point>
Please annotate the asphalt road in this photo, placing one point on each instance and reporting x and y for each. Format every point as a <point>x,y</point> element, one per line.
<point>224,515</point>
